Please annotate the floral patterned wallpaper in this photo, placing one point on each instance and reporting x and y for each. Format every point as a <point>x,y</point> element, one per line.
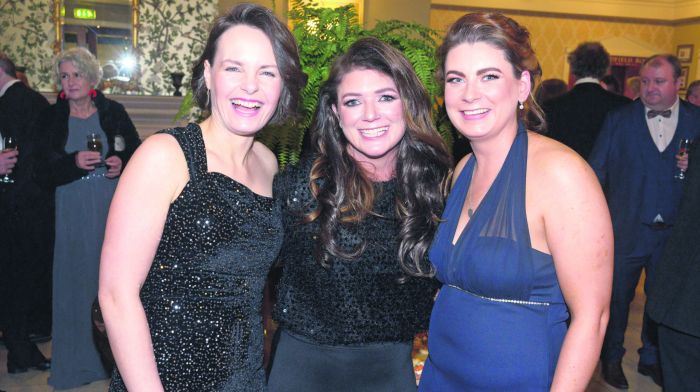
<point>171,37</point>
<point>26,36</point>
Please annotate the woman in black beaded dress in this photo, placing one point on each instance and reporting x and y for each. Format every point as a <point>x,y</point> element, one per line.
<point>359,216</point>
<point>193,230</point>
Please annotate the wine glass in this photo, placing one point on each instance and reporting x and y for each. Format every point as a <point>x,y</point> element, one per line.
<point>9,143</point>
<point>683,149</point>
<point>94,143</point>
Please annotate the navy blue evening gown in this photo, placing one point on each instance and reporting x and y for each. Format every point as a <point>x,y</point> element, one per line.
<point>500,318</point>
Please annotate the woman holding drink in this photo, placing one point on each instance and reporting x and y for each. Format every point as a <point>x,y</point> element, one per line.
<point>83,171</point>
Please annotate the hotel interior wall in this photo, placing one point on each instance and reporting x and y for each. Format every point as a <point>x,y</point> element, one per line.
<point>557,27</point>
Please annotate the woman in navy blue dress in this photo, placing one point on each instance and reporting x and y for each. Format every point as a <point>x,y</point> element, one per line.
<point>525,241</point>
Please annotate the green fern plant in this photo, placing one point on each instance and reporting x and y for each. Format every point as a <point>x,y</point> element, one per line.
<point>322,34</point>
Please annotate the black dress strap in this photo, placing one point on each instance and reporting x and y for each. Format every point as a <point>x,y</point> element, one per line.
<point>192,144</point>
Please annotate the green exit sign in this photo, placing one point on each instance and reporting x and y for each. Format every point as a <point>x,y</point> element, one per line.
<point>84,13</point>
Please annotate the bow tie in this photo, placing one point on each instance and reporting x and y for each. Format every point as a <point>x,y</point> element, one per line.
<point>653,113</point>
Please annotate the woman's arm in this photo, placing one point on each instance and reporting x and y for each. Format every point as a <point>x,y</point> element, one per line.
<point>156,175</point>
<point>579,236</point>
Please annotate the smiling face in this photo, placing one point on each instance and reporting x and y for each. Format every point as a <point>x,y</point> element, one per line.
<point>481,91</point>
<point>244,80</point>
<point>659,88</point>
<point>73,82</point>
<point>370,113</point>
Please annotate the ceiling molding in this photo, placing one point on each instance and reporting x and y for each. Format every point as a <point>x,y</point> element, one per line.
<point>667,12</point>
<point>617,19</point>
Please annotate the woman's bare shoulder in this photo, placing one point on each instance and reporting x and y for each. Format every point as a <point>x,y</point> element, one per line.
<point>460,166</point>
<point>266,157</point>
<point>552,164</point>
<point>160,154</point>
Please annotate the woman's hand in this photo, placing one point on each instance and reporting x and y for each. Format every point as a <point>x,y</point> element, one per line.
<point>87,160</point>
<point>114,166</point>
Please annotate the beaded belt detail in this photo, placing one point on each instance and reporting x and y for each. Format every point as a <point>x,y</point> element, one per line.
<point>503,300</point>
<point>93,175</point>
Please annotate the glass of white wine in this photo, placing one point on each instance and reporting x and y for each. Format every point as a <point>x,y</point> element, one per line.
<point>8,143</point>
<point>683,149</point>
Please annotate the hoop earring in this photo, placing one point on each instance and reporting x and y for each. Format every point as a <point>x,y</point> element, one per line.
<point>520,105</point>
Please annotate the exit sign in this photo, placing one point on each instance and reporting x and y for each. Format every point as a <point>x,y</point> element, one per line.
<point>84,13</point>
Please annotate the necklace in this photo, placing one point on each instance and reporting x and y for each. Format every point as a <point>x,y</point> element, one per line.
<point>470,210</point>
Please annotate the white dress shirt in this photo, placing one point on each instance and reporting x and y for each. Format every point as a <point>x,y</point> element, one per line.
<point>661,128</point>
<point>7,85</point>
<point>587,79</point>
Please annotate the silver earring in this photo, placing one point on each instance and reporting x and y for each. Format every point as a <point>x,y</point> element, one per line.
<point>520,105</point>
<point>208,98</point>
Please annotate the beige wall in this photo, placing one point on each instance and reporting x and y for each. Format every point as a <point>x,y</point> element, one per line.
<point>555,36</point>
<point>666,10</point>
<point>417,11</point>
<point>689,34</point>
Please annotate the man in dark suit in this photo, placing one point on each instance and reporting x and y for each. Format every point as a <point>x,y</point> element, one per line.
<point>674,298</point>
<point>636,160</point>
<point>26,225</point>
<point>575,118</point>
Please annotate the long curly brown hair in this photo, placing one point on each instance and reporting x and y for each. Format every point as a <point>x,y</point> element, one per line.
<point>345,194</point>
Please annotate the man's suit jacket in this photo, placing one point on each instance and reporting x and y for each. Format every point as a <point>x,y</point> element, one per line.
<point>621,165</point>
<point>26,219</point>
<point>576,117</point>
<point>674,296</point>
<point>19,110</point>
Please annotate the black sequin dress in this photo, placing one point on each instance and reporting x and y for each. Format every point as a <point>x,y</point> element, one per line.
<point>350,326</point>
<point>203,293</point>
<point>353,302</point>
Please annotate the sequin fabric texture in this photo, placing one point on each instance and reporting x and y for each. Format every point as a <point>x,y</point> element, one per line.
<point>354,301</point>
<point>203,293</point>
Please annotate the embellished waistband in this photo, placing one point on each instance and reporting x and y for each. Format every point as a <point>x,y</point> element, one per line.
<point>502,300</point>
<point>93,175</point>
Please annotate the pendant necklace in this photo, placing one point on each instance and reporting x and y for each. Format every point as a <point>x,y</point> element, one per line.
<point>470,210</point>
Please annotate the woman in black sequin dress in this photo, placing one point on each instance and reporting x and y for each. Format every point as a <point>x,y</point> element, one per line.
<point>351,297</point>
<point>193,230</point>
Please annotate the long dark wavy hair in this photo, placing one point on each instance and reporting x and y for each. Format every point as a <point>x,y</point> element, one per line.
<point>507,35</point>
<point>345,194</point>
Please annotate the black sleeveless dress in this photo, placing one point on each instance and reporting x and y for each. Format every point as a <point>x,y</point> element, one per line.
<point>203,293</point>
